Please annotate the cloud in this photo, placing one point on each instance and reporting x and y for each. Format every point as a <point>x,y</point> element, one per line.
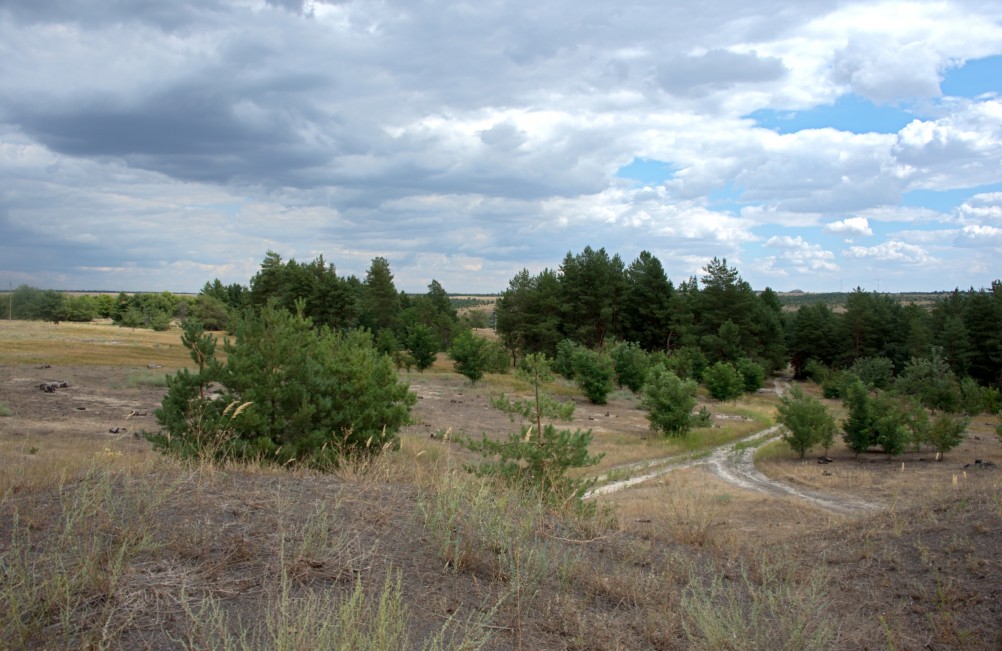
<point>962,149</point>
<point>892,251</point>
<point>981,208</point>
<point>716,70</point>
<point>977,236</point>
<point>146,144</point>
<point>803,256</point>
<point>850,227</point>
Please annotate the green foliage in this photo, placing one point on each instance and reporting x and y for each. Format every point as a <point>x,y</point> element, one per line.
<point>882,420</point>
<point>875,372</point>
<point>563,363</point>
<point>496,358</point>
<point>815,371</point>
<point>592,285</point>
<point>594,373</point>
<point>422,345</point>
<point>752,374</point>
<point>631,364</point>
<point>538,458</point>
<point>889,429</point>
<point>5,411</point>
<point>947,432</point>
<point>858,426</point>
<point>212,312</point>
<point>291,393</point>
<point>723,381</point>
<point>974,399</point>
<point>538,462</point>
<point>669,402</point>
<point>931,381</point>
<point>469,354</point>
<point>836,383</point>
<point>687,362</point>
<point>646,314</point>
<point>326,298</point>
<point>807,422</point>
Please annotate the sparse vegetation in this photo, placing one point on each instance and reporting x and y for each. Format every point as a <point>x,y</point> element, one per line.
<point>104,544</point>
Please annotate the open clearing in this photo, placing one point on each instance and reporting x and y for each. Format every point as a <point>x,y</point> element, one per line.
<point>710,551</point>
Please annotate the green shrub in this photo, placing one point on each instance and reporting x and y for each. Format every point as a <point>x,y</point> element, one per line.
<point>423,346</point>
<point>947,432</point>
<point>723,381</point>
<point>469,355</point>
<point>875,372</point>
<point>290,394</point>
<point>631,364</point>
<point>496,358</point>
<point>669,402</point>
<point>835,384</point>
<point>807,422</point>
<point>752,374</point>
<point>816,371</point>
<point>858,426</point>
<point>563,363</point>
<point>931,380</point>
<point>5,411</point>
<point>539,456</point>
<point>594,373</point>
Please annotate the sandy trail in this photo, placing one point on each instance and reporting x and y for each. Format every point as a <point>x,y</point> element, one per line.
<point>734,463</point>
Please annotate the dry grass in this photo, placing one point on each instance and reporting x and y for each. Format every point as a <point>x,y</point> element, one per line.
<point>105,545</point>
<point>89,344</point>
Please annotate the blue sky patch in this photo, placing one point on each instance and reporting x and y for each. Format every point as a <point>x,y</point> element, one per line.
<point>975,78</point>
<point>945,200</point>
<point>849,113</point>
<point>647,171</point>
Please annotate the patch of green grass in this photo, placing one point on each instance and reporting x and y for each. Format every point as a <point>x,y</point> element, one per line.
<point>5,411</point>
<point>773,450</point>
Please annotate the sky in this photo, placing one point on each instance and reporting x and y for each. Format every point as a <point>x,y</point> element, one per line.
<point>149,145</point>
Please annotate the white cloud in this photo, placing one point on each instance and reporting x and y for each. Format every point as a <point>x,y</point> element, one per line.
<point>850,227</point>
<point>803,256</point>
<point>981,208</point>
<point>892,251</point>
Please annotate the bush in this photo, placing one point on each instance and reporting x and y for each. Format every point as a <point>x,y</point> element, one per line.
<point>688,362</point>
<point>669,401</point>
<point>469,355</point>
<point>835,384</point>
<point>290,394</point>
<point>496,359</point>
<point>931,380</point>
<point>947,433</point>
<point>537,460</point>
<point>563,363</point>
<point>723,381</point>
<point>816,371</point>
<point>594,373</point>
<point>752,374</point>
<point>631,364</point>
<point>423,346</point>
<point>807,422</point>
<point>858,426</point>
<point>875,372</point>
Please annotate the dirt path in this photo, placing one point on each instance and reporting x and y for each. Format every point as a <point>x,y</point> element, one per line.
<point>734,463</point>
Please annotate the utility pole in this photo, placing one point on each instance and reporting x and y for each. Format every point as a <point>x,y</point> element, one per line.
<point>10,300</point>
